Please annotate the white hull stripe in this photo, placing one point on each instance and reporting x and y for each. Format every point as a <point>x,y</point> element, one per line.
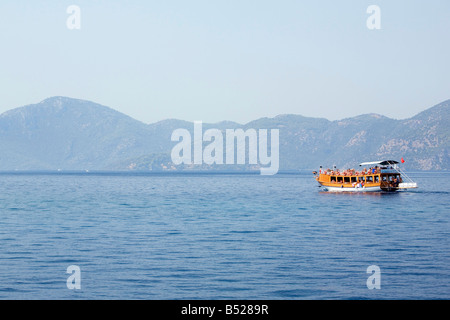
<point>364,189</point>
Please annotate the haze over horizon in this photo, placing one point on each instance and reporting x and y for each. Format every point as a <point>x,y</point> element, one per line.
<point>222,120</point>
<point>235,61</point>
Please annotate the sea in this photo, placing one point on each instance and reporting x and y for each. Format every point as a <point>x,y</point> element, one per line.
<point>171,236</point>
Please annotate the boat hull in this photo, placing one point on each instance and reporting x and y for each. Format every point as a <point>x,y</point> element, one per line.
<point>346,189</point>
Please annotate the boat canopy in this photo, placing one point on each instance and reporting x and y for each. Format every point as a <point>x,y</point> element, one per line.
<point>381,163</point>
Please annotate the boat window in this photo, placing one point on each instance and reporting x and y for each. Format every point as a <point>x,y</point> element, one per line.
<point>377,179</point>
<point>353,179</point>
<point>346,179</point>
<point>339,179</point>
<point>384,178</point>
<point>369,178</point>
<point>333,179</point>
<point>361,178</point>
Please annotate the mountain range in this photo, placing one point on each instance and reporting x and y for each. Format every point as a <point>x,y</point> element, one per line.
<point>62,133</point>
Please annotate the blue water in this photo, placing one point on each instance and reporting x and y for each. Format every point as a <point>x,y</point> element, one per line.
<point>218,236</point>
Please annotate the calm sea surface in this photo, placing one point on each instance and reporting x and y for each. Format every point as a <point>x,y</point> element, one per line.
<point>218,236</point>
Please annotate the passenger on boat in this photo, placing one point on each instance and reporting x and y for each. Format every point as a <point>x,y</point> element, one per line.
<point>395,183</point>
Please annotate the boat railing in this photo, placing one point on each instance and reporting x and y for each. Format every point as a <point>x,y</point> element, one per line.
<point>389,171</point>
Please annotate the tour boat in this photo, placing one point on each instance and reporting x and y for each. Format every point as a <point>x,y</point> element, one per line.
<point>373,176</point>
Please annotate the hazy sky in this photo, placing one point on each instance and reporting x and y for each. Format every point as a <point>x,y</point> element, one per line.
<point>216,60</point>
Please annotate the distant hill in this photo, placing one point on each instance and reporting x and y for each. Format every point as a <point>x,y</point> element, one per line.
<point>71,134</point>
